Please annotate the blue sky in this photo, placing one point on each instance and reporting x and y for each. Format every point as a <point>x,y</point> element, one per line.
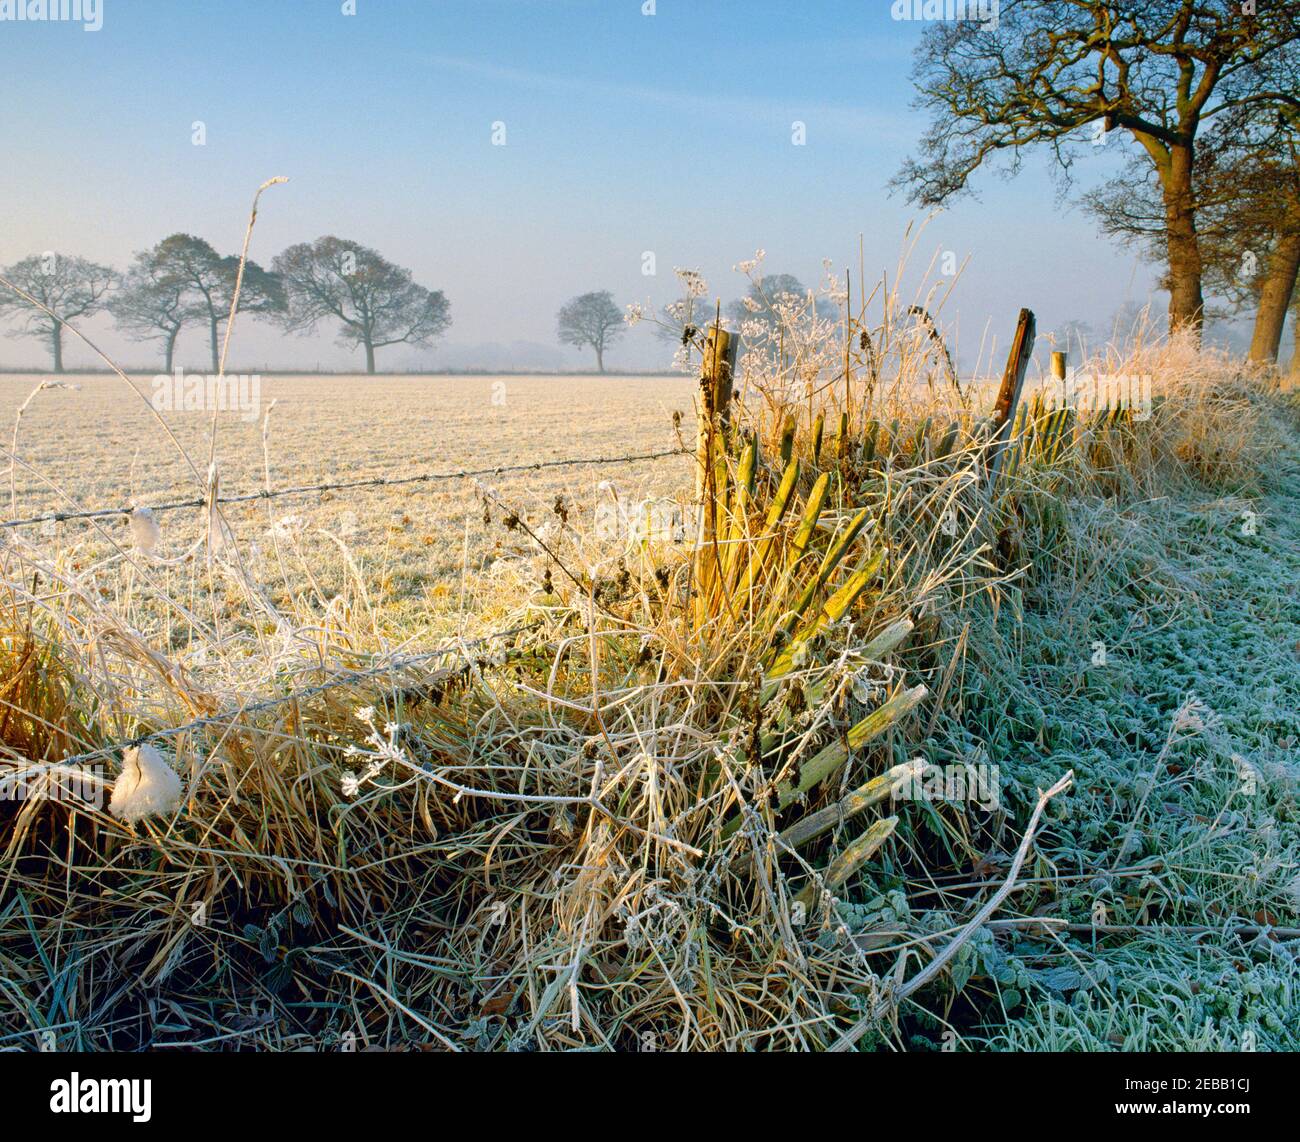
<point>625,133</point>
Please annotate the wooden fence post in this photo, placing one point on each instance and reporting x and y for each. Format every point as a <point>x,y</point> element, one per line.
<point>713,429</point>
<point>1013,380</point>
<point>1061,426</point>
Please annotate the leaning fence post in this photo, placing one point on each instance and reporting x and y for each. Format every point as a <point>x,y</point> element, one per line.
<point>713,426</point>
<point>1013,380</point>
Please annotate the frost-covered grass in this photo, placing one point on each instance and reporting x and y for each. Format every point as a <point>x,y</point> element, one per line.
<point>1186,748</point>
<point>90,443</point>
<point>655,809</point>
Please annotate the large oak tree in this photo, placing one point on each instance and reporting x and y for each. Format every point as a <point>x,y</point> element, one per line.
<point>1156,71</point>
<point>1246,183</point>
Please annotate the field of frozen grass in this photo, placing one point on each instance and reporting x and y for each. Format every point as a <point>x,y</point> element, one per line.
<point>94,444</point>
<point>1164,668</point>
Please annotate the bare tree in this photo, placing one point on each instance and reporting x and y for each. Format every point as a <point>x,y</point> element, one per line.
<point>69,287</point>
<point>1157,70</point>
<point>152,303</point>
<point>591,319</point>
<point>209,282</point>
<point>375,302</point>
<point>1073,338</point>
<point>1129,326</point>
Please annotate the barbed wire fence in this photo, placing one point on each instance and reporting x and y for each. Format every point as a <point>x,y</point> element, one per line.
<point>230,718</point>
<point>347,485</point>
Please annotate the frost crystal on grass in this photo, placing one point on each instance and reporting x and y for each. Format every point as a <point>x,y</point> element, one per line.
<point>1195,716</point>
<point>866,689</point>
<point>147,786</point>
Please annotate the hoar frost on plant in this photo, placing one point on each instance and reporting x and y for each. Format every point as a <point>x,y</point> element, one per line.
<point>147,786</point>
<point>383,750</point>
<point>866,689</point>
<point>1195,716</point>
<point>693,282</point>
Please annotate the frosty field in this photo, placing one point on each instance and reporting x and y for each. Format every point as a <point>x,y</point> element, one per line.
<point>97,445</point>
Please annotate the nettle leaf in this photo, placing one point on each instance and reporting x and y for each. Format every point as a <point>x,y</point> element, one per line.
<point>963,967</point>
<point>1060,979</point>
<point>279,976</point>
<point>1003,971</point>
<point>267,945</point>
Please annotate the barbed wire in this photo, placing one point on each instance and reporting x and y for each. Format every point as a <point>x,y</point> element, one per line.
<point>227,718</point>
<point>348,485</point>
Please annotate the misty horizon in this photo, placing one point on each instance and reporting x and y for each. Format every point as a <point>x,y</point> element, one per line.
<point>524,171</point>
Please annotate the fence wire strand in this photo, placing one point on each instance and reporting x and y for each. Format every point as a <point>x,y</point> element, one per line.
<point>347,485</point>
<point>228,718</point>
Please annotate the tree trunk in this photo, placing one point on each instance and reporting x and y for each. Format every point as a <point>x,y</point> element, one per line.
<point>370,357</point>
<point>56,346</point>
<point>216,352</point>
<point>600,359</point>
<point>1279,285</point>
<point>1186,301</point>
<point>169,350</point>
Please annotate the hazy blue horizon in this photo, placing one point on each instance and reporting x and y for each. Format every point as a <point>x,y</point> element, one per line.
<point>625,133</point>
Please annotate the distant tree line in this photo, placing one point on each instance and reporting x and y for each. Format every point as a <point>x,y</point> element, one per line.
<point>592,320</point>
<point>183,282</point>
